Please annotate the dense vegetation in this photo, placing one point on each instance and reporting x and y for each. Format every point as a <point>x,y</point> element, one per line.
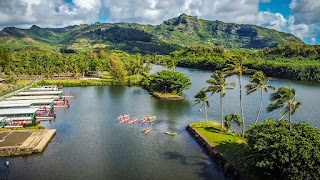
<point>281,153</point>
<point>275,149</point>
<point>171,35</point>
<point>294,61</point>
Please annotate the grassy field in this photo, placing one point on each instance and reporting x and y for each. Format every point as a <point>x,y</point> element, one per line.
<point>229,144</point>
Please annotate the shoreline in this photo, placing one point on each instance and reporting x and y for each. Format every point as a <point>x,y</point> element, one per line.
<point>214,154</point>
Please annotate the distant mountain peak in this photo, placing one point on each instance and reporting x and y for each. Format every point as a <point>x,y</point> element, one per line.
<point>33,27</point>
<point>182,19</point>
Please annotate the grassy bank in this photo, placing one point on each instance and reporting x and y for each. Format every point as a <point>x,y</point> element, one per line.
<point>33,128</point>
<point>230,145</point>
<point>74,82</point>
<point>167,96</point>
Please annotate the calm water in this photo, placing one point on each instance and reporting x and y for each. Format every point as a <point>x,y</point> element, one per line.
<point>91,144</point>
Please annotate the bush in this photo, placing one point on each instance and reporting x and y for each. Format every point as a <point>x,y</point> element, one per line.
<point>167,81</point>
<point>281,153</point>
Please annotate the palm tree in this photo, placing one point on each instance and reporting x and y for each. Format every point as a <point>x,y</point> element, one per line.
<point>232,117</point>
<point>284,98</point>
<point>201,97</point>
<point>236,67</point>
<point>218,85</point>
<point>259,82</point>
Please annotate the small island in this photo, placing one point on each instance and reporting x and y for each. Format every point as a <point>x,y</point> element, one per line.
<point>167,85</point>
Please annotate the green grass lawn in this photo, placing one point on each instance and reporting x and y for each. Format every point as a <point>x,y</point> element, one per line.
<point>229,144</point>
<point>166,95</point>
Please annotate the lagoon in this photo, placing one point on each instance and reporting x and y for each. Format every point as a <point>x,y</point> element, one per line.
<point>91,144</point>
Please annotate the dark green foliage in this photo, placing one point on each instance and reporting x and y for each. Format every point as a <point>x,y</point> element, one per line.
<point>167,81</point>
<point>276,65</point>
<point>281,153</point>
<point>118,34</point>
<point>232,118</point>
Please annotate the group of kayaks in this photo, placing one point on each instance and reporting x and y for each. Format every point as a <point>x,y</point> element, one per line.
<point>148,119</point>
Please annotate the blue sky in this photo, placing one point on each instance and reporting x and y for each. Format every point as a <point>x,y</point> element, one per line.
<point>299,17</point>
<point>276,6</point>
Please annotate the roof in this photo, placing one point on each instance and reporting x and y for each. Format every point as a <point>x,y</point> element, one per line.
<point>2,118</point>
<point>4,112</point>
<point>14,98</point>
<point>31,101</point>
<point>2,105</point>
<point>45,88</point>
<point>34,93</point>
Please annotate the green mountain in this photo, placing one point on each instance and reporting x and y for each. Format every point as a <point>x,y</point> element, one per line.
<point>171,35</point>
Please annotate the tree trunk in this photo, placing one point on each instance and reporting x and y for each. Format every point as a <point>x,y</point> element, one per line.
<point>205,110</point>
<point>255,122</point>
<point>241,107</point>
<point>221,109</point>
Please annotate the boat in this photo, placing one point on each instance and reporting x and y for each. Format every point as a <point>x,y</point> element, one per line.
<point>64,105</point>
<point>121,117</point>
<point>124,120</point>
<point>14,125</point>
<point>147,131</point>
<point>45,116</point>
<point>133,121</point>
<point>144,120</point>
<point>67,95</point>
<point>171,133</point>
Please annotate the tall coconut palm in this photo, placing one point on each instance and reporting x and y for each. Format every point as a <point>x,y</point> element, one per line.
<point>259,82</point>
<point>236,66</point>
<point>284,98</point>
<point>201,97</point>
<point>218,85</point>
<point>232,118</point>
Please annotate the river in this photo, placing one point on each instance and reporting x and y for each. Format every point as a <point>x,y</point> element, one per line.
<point>91,144</point>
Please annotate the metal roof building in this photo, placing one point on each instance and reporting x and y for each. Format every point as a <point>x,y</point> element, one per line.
<point>45,88</point>
<point>31,101</point>
<point>14,105</point>
<point>24,111</point>
<point>15,98</point>
<point>39,93</point>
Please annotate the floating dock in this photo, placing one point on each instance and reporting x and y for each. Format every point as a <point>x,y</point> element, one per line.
<point>14,143</point>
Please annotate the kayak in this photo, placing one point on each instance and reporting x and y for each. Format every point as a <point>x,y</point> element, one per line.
<point>171,133</point>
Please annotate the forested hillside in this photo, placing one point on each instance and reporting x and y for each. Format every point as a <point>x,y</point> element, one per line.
<point>165,38</point>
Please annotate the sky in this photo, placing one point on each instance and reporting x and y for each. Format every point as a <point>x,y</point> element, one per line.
<point>299,17</point>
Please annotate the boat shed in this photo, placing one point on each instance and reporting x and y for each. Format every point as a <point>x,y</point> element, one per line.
<point>14,105</point>
<point>40,93</point>
<point>45,88</point>
<point>33,102</point>
<point>27,112</point>
<point>15,98</point>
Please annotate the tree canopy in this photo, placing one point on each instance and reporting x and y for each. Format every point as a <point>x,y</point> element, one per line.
<point>281,153</point>
<point>167,81</point>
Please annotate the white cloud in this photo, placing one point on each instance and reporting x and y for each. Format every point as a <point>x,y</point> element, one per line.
<point>303,22</point>
<point>306,11</point>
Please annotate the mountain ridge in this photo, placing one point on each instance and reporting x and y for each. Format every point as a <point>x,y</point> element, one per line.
<point>172,34</point>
